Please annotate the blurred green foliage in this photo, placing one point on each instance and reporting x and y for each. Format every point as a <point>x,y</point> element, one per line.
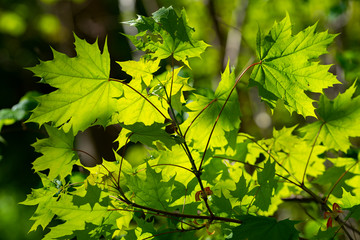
<point>230,26</point>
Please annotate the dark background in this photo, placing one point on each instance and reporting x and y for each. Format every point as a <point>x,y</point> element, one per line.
<point>29,28</point>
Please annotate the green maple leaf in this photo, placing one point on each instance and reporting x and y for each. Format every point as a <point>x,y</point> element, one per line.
<point>292,152</point>
<point>354,212</point>
<point>171,82</point>
<point>84,93</point>
<point>259,228</point>
<point>105,173</point>
<point>267,182</point>
<point>176,26</point>
<point>346,200</point>
<point>58,153</point>
<point>331,176</point>
<point>150,135</point>
<point>339,120</point>
<point>237,151</point>
<point>87,193</point>
<point>241,189</point>
<point>43,197</point>
<point>142,69</point>
<point>221,205</point>
<point>134,108</point>
<point>329,233</point>
<point>84,220</point>
<point>287,68</point>
<point>200,122</point>
<point>170,35</point>
<point>177,157</point>
<point>180,50</point>
<point>152,191</point>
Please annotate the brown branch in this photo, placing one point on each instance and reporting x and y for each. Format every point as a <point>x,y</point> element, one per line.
<point>152,213</point>
<point>181,215</point>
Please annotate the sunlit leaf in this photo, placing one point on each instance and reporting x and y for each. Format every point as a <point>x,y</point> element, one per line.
<point>84,94</point>
<point>43,197</point>
<point>339,120</point>
<point>200,122</point>
<point>288,68</point>
<point>58,153</point>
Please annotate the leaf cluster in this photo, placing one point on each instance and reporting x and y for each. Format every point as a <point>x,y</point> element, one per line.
<point>193,147</point>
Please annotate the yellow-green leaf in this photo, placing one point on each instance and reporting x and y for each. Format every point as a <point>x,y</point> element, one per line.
<point>84,94</point>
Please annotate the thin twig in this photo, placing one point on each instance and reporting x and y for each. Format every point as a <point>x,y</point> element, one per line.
<point>172,78</point>
<point>252,200</point>
<point>82,151</point>
<point>113,180</point>
<point>181,215</point>
<point>186,148</point>
<point>174,165</point>
<point>339,179</point>
<point>312,148</point>
<point>183,207</point>
<point>122,157</point>
<point>125,84</point>
<point>221,110</point>
<point>187,129</point>
<point>255,166</point>
<point>152,213</point>
<point>268,152</point>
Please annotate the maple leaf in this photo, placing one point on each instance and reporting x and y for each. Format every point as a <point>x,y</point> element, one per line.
<point>200,122</point>
<point>287,68</point>
<point>136,107</point>
<point>87,194</point>
<point>339,120</point>
<point>354,212</point>
<point>181,51</point>
<point>150,135</point>
<point>346,200</point>
<point>267,182</point>
<point>58,153</point>
<point>170,35</point>
<point>43,197</point>
<point>171,83</point>
<point>329,233</point>
<point>292,152</point>
<point>221,205</point>
<point>84,220</point>
<point>84,93</point>
<point>152,191</point>
<point>241,189</point>
<point>331,177</point>
<point>105,173</point>
<point>258,227</point>
<point>176,156</point>
<point>141,70</point>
